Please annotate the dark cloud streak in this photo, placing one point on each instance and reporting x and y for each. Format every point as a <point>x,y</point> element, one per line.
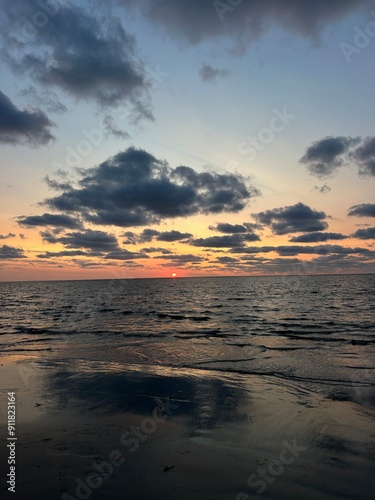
<point>27,126</point>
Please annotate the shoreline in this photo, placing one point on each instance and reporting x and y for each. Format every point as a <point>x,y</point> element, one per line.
<point>219,433</point>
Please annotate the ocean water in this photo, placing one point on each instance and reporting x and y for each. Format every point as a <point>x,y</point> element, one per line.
<point>246,366</point>
<point>317,332</point>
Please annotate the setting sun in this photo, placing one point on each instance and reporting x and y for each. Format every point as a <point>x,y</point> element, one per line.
<point>174,275</point>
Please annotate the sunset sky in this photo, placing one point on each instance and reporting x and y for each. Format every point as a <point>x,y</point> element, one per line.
<point>197,137</point>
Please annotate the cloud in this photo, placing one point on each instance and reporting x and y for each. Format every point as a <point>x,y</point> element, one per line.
<point>123,254</point>
<point>18,127</point>
<point>181,260</point>
<point>88,56</point>
<point>131,238</point>
<point>224,227</point>
<point>226,241</point>
<point>7,253</point>
<point>253,250</point>
<point>170,236</point>
<point>163,251</point>
<point>323,189</point>
<point>363,210</point>
<point>293,219</point>
<point>317,236</point>
<point>58,220</point>
<point>6,236</point>
<point>44,99</point>
<point>226,260</point>
<point>292,250</point>
<point>133,188</point>
<point>95,240</point>
<point>364,155</point>
<point>210,74</point>
<point>365,234</point>
<point>324,157</point>
<point>196,21</point>
<point>111,128</point>
<point>147,235</point>
<point>63,253</point>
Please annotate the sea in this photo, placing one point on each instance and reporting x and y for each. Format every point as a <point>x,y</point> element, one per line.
<point>315,331</point>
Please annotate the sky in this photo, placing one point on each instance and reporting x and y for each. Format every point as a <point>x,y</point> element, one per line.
<point>194,137</point>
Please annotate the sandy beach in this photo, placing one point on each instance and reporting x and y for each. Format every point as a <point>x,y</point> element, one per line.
<point>101,429</point>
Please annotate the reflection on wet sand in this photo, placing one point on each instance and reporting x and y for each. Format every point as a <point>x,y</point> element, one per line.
<point>182,433</point>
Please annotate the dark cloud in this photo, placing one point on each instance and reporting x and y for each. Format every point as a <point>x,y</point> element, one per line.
<point>195,21</point>
<point>226,241</point>
<point>323,189</point>
<point>363,210</point>
<point>284,262</point>
<point>131,238</point>
<point>170,236</point>
<point>88,56</point>
<point>147,235</point>
<point>224,227</point>
<point>365,234</point>
<point>324,157</point>
<point>210,74</point>
<point>319,250</point>
<point>226,260</point>
<point>28,126</point>
<point>133,188</point>
<point>180,260</point>
<point>111,128</point>
<point>46,99</point>
<point>58,220</point>
<point>48,236</point>
<point>123,254</point>
<point>364,155</point>
<point>163,251</point>
<point>63,253</point>
<point>292,250</point>
<point>94,240</point>
<point>6,236</point>
<point>344,263</point>
<point>253,250</point>
<point>7,253</point>
<point>58,185</point>
<point>293,219</point>
<point>318,236</point>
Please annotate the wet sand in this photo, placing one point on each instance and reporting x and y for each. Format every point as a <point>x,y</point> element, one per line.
<point>99,429</point>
